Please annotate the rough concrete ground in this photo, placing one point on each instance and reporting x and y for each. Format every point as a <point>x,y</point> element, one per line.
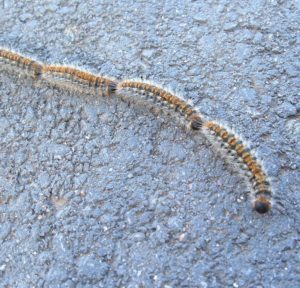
<point>94,193</point>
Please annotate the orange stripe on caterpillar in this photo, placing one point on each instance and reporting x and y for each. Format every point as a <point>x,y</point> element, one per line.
<point>261,189</point>
<point>71,77</point>
<point>15,60</point>
<point>164,97</point>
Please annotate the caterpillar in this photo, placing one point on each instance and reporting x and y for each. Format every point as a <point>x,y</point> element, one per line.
<point>163,98</point>
<point>14,61</point>
<point>59,76</point>
<point>238,151</point>
<point>78,80</point>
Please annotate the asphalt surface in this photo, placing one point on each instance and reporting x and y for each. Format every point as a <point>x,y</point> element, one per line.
<point>98,193</point>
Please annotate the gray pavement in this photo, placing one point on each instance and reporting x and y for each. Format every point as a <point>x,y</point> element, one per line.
<point>98,193</point>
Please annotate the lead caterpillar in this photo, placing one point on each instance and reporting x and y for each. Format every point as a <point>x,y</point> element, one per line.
<point>243,159</point>
<point>83,81</point>
<point>260,189</point>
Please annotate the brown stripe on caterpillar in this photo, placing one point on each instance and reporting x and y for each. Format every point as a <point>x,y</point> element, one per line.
<point>261,189</point>
<point>22,64</point>
<point>165,98</point>
<point>75,79</point>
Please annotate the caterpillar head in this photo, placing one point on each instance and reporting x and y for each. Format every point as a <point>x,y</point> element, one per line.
<point>112,88</point>
<point>196,122</point>
<point>262,204</point>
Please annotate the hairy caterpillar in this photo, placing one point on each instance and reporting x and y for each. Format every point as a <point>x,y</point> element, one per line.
<point>260,191</point>
<point>60,76</point>
<point>83,81</point>
<point>162,97</point>
<point>14,61</point>
<point>78,80</point>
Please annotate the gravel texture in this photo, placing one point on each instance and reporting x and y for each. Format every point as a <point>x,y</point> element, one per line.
<point>97,193</point>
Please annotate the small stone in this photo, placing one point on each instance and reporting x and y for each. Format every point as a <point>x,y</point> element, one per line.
<point>286,109</point>
<point>230,26</point>
<point>2,267</point>
<point>148,53</point>
<point>92,268</point>
<point>139,236</point>
<point>24,17</point>
<point>200,18</point>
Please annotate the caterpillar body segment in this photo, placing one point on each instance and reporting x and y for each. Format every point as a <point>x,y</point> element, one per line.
<point>14,61</point>
<point>78,80</point>
<point>241,156</point>
<point>139,91</point>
